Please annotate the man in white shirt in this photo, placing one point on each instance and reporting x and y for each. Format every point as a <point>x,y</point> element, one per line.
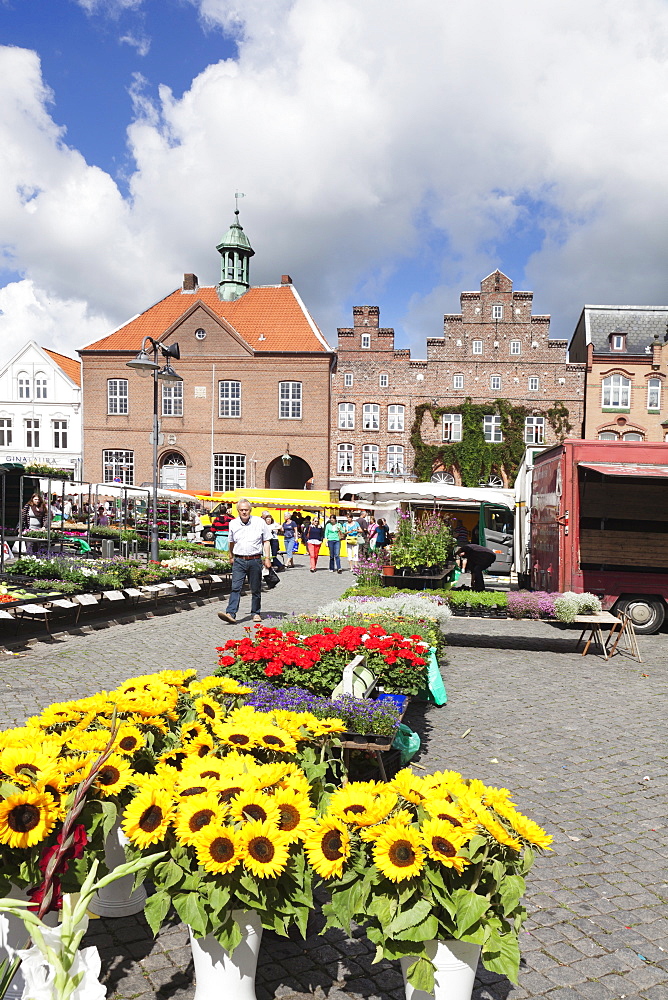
<point>249,542</point>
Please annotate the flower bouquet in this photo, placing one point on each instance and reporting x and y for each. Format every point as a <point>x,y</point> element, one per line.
<point>422,859</point>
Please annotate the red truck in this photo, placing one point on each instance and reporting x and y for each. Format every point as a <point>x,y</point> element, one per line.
<point>599,524</point>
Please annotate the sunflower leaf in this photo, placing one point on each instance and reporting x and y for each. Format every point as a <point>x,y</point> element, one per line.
<point>427,930</point>
<point>156,909</point>
<point>421,975</point>
<point>228,935</point>
<point>501,953</point>
<point>189,907</point>
<point>511,891</point>
<point>409,918</point>
<point>109,812</point>
<point>470,908</point>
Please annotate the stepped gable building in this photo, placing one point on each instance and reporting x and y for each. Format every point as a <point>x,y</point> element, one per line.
<point>252,409</point>
<point>494,349</point>
<point>626,356</point>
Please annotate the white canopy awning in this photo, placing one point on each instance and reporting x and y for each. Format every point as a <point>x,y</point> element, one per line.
<point>115,490</point>
<point>386,495</point>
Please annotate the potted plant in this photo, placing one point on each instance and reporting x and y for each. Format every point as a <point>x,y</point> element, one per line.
<point>418,547</point>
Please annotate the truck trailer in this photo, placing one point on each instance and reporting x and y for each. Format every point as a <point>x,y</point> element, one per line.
<point>599,524</point>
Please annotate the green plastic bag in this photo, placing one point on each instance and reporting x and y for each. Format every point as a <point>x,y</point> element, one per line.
<point>435,692</point>
<point>407,742</point>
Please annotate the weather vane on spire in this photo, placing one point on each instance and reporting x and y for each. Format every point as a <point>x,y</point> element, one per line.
<point>237,195</point>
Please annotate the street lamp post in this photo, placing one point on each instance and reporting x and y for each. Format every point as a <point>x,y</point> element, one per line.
<point>144,364</point>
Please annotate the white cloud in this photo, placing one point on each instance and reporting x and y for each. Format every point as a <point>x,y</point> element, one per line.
<point>139,42</point>
<point>28,313</point>
<point>359,132</point>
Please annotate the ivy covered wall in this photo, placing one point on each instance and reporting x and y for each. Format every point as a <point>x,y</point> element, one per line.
<point>475,458</point>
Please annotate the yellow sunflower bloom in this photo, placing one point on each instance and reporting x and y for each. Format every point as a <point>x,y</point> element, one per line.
<point>177,678</point>
<point>296,813</point>
<point>148,722</point>
<point>294,777</point>
<point>219,848</point>
<point>129,739</point>
<point>327,847</point>
<point>191,730</point>
<point>255,806</point>
<point>360,806</point>
<point>266,775</point>
<point>235,734</point>
<point>23,764</point>
<point>275,738</point>
<point>444,809</point>
<point>114,775</point>
<point>527,829</point>
<point>208,709</point>
<point>227,685</point>
<point>195,814</point>
<point>323,727</point>
<point>496,829</point>
<point>265,849</point>
<point>174,760</point>
<point>187,786</point>
<point>74,769</point>
<point>409,786</point>
<point>147,818</point>
<point>26,818</point>
<point>443,841</point>
<point>398,853</point>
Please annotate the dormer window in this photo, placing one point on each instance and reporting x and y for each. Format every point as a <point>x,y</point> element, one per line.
<point>617,341</point>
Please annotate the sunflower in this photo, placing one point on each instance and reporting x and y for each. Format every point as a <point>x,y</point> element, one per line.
<point>266,775</point>
<point>265,849</point>
<point>255,806</point>
<point>147,818</point>
<point>191,731</point>
<point>323,727</point>
<point>114,775</point>
<point>201,746</point>
<point>195,814</point>
<point>294,777</point>
<point>149,722</point>
<point>398,852</point>
<point>227,685</point>
<point>275,738</point>
<point>296,813</point>
<point>327,847</point>
<point>443,841</point>
<point>235,734</point>
<point>58,714</point>
<point>444,809</point>
<point>129,739</point>
<point>173,760</point>
<point>26,818</point>
<point>188,786</point>
<point>208,709</point>
<point>177,678</point>
<point>23,764</point>
<point>527,829</point>
<point>361,806</point>
<point>75,768</point>
<point>219,848</point>
<point>92,741</point>
<point>409,786</point>
<point>484,818</point>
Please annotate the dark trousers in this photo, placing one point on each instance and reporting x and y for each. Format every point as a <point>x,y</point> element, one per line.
<point>246,569</point>
<point>476,567</point>
<point>334,546</point>
<point>275,561</point>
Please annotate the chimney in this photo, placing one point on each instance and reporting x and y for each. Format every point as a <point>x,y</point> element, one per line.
<point>286,279</point>
<point>656,352</point>
<point>190,283</point>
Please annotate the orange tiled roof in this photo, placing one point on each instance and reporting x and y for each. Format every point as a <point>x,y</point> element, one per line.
<point>71,367</point>
<point>273,311</point>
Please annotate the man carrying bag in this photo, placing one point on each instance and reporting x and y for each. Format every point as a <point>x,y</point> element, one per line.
<point>250,539</point>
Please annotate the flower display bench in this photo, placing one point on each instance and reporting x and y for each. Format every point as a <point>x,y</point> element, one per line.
<point>428,581</point>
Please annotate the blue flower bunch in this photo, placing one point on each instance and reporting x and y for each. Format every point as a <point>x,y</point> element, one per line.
<point>360,715</point>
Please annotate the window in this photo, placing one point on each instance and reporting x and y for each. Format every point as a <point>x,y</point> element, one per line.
<point>369,458</point>
<point>345,458</point>
<point>366,340</point>
<point>383,380</point>
<point>534,430</point>
<point>654,394</point>
<point>117,397</point>
<point>534,383</point>
<point>395,459</point>
<point>348,380</point>
<point>229,471</point>
<point>32,433</point>
<point>5,432</point>
<point>458,382</point>
<point>617,341</point>
<point>229,399</point>
<point>172,399</point>
<point>60,433</point>
<point>200,334</point>
<point>607,436</point>
<point>497,312</point>
<point>515,347</point>
<point>495,382</point>
<point>371,417</point>
<point>616,391</point>
<point>452,426</point>
<point>491,425</point>
<point>119,467</point>
<point>632,436</point>
<point>395,417</point>
<point>24,386</point>
<point>477,346</point>
<point>290,400</point>
<point>40,386</point>
<point>347,416</point>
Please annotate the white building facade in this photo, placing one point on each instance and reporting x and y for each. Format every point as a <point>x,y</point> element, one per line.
<point>40,409</point>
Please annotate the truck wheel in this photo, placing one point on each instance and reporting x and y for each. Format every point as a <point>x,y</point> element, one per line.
<point>208,535</point>
<point>646,613</point>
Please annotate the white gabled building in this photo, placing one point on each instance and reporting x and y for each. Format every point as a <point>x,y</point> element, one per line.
<point>40,409</point>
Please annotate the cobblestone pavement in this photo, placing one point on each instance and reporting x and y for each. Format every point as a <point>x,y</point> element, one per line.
<point>581,743</point>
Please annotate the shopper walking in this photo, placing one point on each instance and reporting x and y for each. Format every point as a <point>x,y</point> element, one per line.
<point>371,533</point>
<point>290,538</point>
<point>249,546</point>
<point>221,528</point>
<point>274,529</point>
<point>313,542</point>
<point>382,536</point>
<point>333,538</point>
<point>352,533</point>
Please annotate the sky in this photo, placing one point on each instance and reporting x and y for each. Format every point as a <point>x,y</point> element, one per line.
<point>390,154</point>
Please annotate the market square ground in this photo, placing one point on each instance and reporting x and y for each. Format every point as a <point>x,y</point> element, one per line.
<point>580,742</point>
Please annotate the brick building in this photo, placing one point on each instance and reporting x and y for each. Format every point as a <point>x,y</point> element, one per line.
<point>256,383</point>
<point>494,350</point>
<point>626,356</point>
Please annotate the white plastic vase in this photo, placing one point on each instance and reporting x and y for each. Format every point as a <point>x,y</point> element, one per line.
<point>456,963</point>
<point>18,937</point>
<point>117,899</point>
<point>221,976</point>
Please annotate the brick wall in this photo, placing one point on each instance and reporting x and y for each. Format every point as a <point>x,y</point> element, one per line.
<point>636,418</point>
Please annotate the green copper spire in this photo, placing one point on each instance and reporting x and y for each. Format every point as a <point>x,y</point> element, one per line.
<point>236,252</point>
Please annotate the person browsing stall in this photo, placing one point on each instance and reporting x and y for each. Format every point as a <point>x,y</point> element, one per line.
<point>250,546</point>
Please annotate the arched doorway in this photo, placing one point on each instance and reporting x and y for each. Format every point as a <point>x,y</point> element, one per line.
<point>173,471</point>
<point>294,476</point>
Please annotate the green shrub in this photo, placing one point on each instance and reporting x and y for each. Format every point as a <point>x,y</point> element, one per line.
<point>477,599</point>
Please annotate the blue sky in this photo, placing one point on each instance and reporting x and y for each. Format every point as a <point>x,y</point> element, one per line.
<point>381,166</point>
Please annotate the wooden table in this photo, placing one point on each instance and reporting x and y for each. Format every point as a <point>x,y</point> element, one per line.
<point>618,626</point>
